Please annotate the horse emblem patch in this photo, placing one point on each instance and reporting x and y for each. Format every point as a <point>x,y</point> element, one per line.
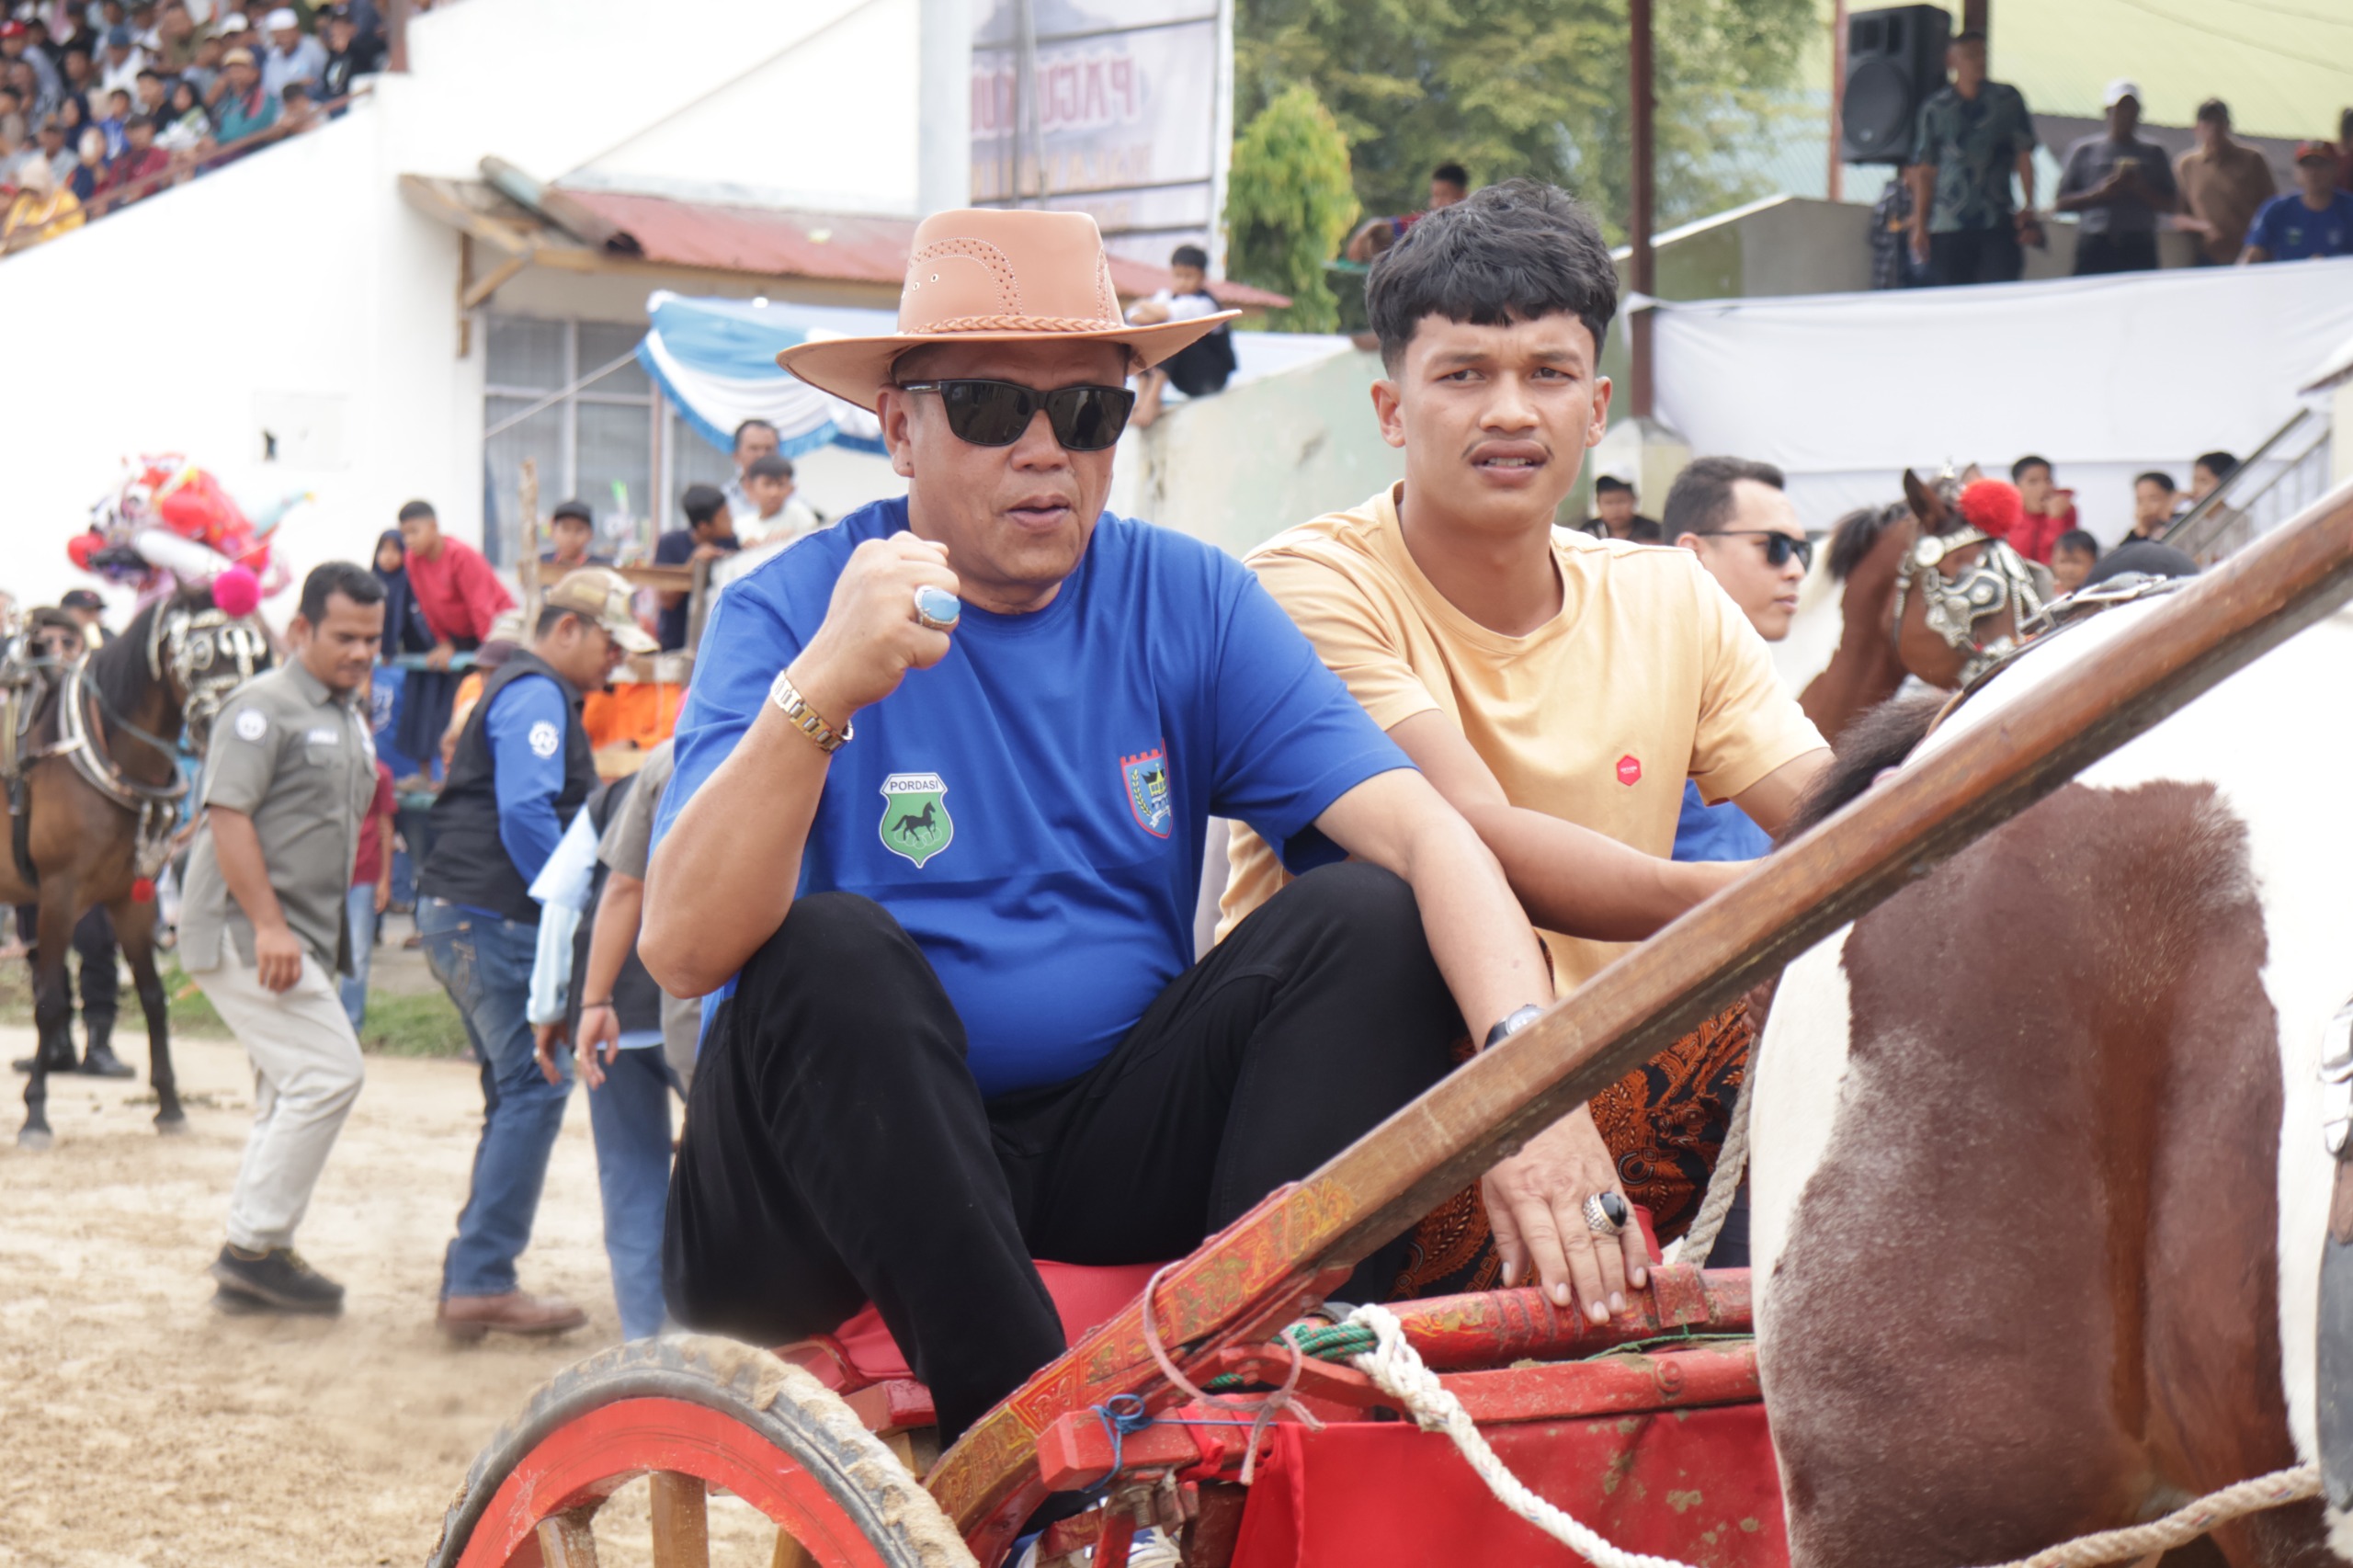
<point>1147,781</point>
<point>916,825</point>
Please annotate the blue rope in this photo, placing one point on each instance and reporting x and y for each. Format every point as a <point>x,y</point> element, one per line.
<point>1123,1413</point>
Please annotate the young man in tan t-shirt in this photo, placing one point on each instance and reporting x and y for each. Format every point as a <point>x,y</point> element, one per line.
<point>1547,682</point>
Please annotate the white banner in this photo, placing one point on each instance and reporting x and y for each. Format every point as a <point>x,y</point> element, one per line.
<point>1131,116</point>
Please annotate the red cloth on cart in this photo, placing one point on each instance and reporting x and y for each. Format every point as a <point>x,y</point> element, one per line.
<point>1696,1485</point>
<point>1084,1296</point>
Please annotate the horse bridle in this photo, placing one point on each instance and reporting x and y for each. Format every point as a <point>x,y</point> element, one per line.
<point>208,653</point>
<point>1952,607</point>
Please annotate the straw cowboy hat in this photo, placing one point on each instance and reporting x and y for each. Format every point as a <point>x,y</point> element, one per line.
<point>978,276</point>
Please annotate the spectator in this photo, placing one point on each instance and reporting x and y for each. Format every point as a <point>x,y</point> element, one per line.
<point>246,108</point>
<point>2120,183</point>
<point>89,166</point>
<point>1733,515</point>
<point>15,40</point>
<point>1450,183</point>
<point>301,111</point>
<point>185,124</point>
<point>293,54</point>
<point>1892,266</point>
<point>351,55</point>
<point>572,529</point>
<point>284,789</point>
<point>2141,558</point>
<point>522,767</point>
<point>777,517</point>
<point>370,893</point>
<point>1201,367</point>
<point>2223,182</point>
<point>1973,133</point>
<point>141,159</point>
<point>455,587</point>
<point>2048,510</point>
<point>2153,495</point>
<point>647,1038</point>
<point>406,629</point>
<point>2315,220</point>
<point>176,38</point>
<point>710,533</point>
<point>43,209</point>
<point>2225,529</point>
<point>154,95</point>
<point>57,149</point>
<point>205,74</point>
<point>124,61</point>
<point>1614,514</point>
<point>755,440</point>
<point>80,78</point>
<point>2072,555</point>
<point>118,111</point>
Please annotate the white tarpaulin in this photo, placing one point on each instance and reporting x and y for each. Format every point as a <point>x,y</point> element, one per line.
<point>2107,376</point>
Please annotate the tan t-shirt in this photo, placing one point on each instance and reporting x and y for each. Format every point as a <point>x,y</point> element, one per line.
<point>2227,190</point>
<point>1649,674</point>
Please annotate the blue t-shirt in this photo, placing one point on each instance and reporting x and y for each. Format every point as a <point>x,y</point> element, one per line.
<point>1033,809</point>
<point>2293,232</point>
<point>526,724</point>
<point>1720,832</point>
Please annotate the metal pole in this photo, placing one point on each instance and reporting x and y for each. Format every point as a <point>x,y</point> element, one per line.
<point>1028,140</point>
<point>1973,17</point>
<point>944,82</point>
<point>1643,271</point>
<point>1835,186</point>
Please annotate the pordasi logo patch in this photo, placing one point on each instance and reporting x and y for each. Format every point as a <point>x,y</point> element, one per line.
<point>1147,780</point>
<point>914,816</point>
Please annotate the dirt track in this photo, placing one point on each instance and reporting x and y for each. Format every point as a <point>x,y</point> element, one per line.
<point>138,1426</point>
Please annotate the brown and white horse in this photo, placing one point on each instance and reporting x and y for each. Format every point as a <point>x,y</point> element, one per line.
<point>2039,1186</point>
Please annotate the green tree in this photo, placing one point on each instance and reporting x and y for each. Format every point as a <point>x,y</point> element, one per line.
<point>1289,203</point>
<point>1535,87</point>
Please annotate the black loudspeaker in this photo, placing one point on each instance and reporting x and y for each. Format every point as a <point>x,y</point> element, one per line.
<point>1895,58</point>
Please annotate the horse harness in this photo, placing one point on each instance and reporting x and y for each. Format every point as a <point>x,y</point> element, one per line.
<point>205,652</point>
<point>1953,607</point>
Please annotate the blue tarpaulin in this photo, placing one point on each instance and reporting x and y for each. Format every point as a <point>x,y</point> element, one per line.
<point>715,360</point>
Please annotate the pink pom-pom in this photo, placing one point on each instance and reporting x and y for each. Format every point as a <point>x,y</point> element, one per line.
<point>236,591</point>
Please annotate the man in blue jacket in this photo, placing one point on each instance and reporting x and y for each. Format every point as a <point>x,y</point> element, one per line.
<point>522,767</point>
<point>935,837</point>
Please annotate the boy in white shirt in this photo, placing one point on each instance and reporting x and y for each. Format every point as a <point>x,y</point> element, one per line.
<point>1201,368</point>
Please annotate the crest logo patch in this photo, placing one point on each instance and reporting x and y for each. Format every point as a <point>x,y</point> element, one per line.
<point>916,825</point>
<point>1630,769</point>
<point>1147,780</point>
<point>544,739</point>
<point>250,725</point>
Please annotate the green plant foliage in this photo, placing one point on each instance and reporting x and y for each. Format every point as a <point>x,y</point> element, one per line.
<point>1289,203</point>
<point>1536,87</point>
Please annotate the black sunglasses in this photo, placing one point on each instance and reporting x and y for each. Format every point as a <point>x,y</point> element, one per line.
<point>994,414</point>
<point>1778,546</point>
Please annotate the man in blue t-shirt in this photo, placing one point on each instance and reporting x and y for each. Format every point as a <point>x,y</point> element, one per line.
<point>2315,220</point>
<point>962,1025</point>
<point>710,534</point>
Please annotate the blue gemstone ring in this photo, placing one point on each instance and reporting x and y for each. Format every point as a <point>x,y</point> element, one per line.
<point>937,608</point>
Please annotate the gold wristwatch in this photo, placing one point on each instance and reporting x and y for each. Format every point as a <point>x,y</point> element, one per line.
<point>787,699</point>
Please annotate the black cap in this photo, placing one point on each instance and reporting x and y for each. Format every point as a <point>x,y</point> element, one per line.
<point>82,598</point>
<point>575,509</point>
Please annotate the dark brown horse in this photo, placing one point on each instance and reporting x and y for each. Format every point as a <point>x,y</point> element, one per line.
<point>1927,595</point>
<point>101,795</point>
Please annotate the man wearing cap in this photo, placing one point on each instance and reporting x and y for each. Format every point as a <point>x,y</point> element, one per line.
<point>521,768</point>
<point>124,60</point>
<point>293,54</point>
<point>2119,184</point>
<point>2314,219</point>
<point>246,108</point>
<point>85,606</point>
<point>572,531</point>
<point>934,841</point>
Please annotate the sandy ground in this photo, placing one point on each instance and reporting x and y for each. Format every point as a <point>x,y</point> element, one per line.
<point>138,1426</point>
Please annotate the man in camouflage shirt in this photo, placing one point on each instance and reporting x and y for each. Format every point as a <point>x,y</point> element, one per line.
<point>1973,133</point>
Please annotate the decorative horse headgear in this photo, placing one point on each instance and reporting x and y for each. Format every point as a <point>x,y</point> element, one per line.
<point>1975,589</point>
<point>208,653</point>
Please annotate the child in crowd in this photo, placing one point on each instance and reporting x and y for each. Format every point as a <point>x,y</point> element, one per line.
<point>777,517</point>
<point>2072,556</point>
<point>1198,368</point>
<point>2050,511</point>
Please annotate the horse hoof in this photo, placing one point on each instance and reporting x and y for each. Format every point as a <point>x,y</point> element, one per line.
<point>35,1139</point>
<point>171,1126</point>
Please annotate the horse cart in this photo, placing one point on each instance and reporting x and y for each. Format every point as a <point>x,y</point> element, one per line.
<point>1200,1398</point>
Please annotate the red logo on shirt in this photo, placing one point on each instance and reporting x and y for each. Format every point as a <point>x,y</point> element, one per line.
<point>1630,769</point>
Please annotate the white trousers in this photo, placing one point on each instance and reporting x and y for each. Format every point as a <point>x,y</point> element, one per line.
<point>307,1072</point>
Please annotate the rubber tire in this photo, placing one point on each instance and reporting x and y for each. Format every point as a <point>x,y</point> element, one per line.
<point>776,1403</point>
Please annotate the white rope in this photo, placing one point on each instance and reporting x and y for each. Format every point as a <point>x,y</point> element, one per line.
<point>1724,1183</point>
<point>1397,1368</point>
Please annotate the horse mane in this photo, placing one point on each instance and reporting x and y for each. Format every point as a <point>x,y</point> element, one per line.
<point>1854,535</point>
<point>119,669</point>
<point>1876,740</point>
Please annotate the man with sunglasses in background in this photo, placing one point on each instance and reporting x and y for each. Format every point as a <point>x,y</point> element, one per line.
<point>1733,515</point>
<point>1546,681</point>
<point>935,838</point>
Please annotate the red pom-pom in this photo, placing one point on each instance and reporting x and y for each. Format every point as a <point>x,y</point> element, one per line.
<point>1992,507</point>
<point>238,592</point>
<point>142,891</point>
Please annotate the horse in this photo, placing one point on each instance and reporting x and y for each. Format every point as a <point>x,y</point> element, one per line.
<point>1928,594</point>
<point>94,806</point>
<point>2040,1188</point>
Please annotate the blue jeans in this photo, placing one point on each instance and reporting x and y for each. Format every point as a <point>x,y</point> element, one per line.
<point>359,907</point>
<point>629,1115</point>
<point>484,964</point>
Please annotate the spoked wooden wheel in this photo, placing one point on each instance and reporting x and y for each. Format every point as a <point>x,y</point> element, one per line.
<point>696,1414</point>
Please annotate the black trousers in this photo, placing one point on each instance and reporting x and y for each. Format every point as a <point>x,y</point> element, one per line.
<point>1976,255</point>
<point>837,1150</point>
<point>2115,253</point>
<point>93,940</point>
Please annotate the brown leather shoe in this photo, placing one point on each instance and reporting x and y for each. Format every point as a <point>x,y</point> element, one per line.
<point>517,1311</point>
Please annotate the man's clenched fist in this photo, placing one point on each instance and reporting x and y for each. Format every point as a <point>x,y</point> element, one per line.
<point>871,638</point>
